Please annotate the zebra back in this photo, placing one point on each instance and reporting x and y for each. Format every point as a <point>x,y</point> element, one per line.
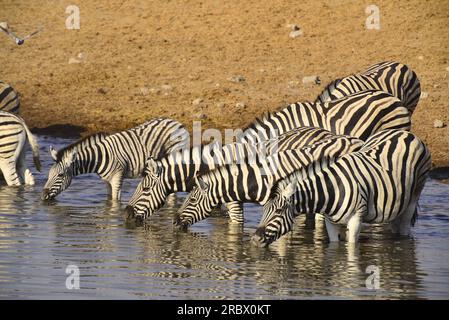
<point>392,77</point>
<point>360,115</point>
<point>9,98</point>
<point>387,172</point>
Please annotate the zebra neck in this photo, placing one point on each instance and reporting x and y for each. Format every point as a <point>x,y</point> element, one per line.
<point>87,162</point>
<point>180,168</point>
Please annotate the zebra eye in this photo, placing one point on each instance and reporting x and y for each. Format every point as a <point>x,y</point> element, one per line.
<point>60,175</point>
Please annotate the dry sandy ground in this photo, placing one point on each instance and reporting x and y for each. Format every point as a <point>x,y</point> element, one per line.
<point>130,49</point>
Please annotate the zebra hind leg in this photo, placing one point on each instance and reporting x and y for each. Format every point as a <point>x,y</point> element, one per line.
<point>8,168</point>
<point>25,174</point>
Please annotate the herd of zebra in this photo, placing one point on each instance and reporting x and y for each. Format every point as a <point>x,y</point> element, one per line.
<point>349,157</point>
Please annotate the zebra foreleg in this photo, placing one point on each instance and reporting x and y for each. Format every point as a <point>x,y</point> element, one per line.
<point>171,200</point>
<point>354,227</point>
<point>8,168</point>
<point>115,187</point>
<point>235,211</point>
<point>333,230</point>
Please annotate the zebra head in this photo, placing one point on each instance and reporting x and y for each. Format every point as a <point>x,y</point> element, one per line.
<point>150,194</point>
<point>60,174</point>
<point>197,206</point>
<point>278,215</point>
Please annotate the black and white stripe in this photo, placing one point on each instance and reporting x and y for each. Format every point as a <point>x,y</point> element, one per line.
<point>392,77</point>
<point>9,98</point>
<point>14,133</point>
<point>252,182</point>
<point>359,115</point>
<point>380,183</point>
<point>176,172</point>
<point>114,156</point>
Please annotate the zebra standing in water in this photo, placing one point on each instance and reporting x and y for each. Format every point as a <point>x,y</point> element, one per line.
<point>9,99</point>
<point>13,135</point>
<point>176,172</point>
<point>114,156</point>
<point>380,183</point>
<point>393,77</point>
<point>359,115</point>
<point>253,182</point>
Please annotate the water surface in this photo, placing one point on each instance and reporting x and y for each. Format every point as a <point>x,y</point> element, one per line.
<point>214,260</point>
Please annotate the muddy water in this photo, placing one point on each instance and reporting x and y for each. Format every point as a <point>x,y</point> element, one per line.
<point>214,260</point>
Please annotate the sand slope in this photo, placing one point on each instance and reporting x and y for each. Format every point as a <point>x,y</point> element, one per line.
<point>132,48</point>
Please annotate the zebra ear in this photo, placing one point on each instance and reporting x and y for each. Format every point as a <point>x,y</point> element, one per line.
<point>53,153</point>
<point>200,183</point>
<point>289,190</point>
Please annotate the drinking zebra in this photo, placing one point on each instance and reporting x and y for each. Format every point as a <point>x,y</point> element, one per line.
<point>380,183</point>
<point>13,135</point>
<point>114,156</point>
<point>253,182</point>
<point>9,99</point>
<point>359,115</point>
<point>176,172</point>
<point>392,77</point>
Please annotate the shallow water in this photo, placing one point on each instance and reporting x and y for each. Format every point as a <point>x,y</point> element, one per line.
<point>214,260</point>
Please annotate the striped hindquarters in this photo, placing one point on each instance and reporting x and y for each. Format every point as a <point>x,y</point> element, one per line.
<point>392,77</point>
<point>9,98</point>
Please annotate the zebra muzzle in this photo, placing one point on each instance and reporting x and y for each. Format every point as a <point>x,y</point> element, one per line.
<point>46,195</point>
<point>129,212</point>
<point>259,238</point>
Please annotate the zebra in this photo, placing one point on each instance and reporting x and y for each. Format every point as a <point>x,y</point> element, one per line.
<point>358,115</point>
<point>392,77</point>
<point>9,98</point>
<point>253,182</point>
<point>381,183</point>
<point>176,172</point>
<point>114,156</point>
<point>13,135</point>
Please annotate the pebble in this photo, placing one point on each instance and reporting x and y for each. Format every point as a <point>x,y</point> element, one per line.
<point>438,124</point>
<point>102,91</point>
<point>155,90</point>
<point>447,69</point>
<point>311,79</point>
<point>197,101</point>
<point>166,87</point>
<point>420,57</point>
<point>295,33</point>
<point>424,95</point>
<point>220,105</point>
<point>240,105</point>
<point>237,78</point>
<point>293,84</point>
<point>144,91</point>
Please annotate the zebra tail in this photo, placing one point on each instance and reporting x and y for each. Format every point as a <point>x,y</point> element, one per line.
<point>34,147</point>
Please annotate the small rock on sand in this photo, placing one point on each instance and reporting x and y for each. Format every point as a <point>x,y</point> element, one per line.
<point>240,105</point>
<point>424,95</point>
<point>197,101</point>
<point>438,124</point>
<point>311,79</point>
<point>237,78</point>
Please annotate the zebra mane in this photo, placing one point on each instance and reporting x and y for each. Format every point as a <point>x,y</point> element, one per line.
<point>81,143</point>
<point>329,87</point>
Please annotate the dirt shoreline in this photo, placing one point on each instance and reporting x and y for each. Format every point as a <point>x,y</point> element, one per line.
<point>135,60</point>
